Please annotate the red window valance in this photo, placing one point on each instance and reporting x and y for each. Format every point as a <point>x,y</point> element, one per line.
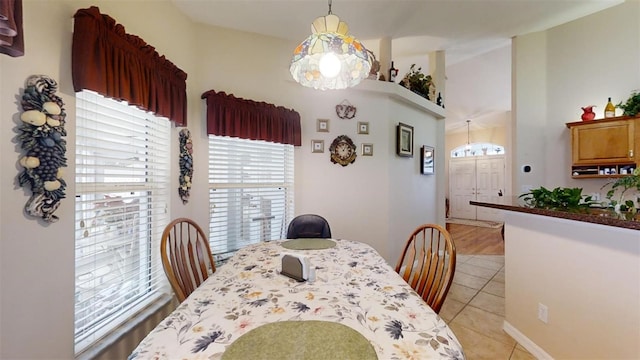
<point>228,115</point>
<point>113,63</point>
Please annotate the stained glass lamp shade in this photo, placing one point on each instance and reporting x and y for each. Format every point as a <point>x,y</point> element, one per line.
<point>330,58</point>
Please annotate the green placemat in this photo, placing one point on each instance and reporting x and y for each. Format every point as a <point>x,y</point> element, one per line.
<point>297,340</point>
<point>308,244</point>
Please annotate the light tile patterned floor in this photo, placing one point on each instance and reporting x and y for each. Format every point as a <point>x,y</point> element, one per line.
<point>474,309</point>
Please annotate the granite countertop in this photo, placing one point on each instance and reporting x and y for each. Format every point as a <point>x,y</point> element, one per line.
<point>602,216</point>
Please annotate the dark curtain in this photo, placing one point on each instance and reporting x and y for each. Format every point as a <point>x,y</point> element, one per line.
<point>109,61</point>
<point>11,34</point>
<point>228,115</point>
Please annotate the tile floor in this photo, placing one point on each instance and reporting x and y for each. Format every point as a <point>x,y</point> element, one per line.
<point>474,309</point>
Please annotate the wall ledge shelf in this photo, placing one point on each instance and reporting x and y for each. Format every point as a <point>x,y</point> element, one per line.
<point>400,93</point>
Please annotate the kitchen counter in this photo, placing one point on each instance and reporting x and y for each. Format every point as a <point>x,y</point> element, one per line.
<point>602,216</point>
<point>572,282</point>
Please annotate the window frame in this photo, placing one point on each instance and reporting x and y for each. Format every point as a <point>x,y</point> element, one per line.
<point>136,177</point>
<point>261,175</point>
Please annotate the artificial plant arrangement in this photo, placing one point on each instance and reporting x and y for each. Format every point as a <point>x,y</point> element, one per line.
<point>632,106</point>
<point>418,82</point>
<point>618,190</point>
<point>565,199</point>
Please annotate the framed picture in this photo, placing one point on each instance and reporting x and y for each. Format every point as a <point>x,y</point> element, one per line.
<point>322,125</point>
<point>404,140</point>
<point>363,127</point>
<point>367,149</point>
<point>317,146</point>
<point>427,160</point>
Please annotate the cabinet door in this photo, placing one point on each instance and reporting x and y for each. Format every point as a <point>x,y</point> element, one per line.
<point>607,142</point>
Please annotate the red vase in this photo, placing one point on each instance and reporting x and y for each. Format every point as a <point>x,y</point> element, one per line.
<point>588,114</point>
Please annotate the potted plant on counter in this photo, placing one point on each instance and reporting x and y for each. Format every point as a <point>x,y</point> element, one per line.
<point>560,198</point>
<point>625,207</point>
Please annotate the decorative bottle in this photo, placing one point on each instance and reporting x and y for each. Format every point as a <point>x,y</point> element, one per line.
<point>609,110</point>
<point>393,72</point>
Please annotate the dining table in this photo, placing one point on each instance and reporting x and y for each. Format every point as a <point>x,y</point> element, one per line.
<point>353,306</point>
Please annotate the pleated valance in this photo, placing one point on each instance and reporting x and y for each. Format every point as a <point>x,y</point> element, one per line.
<point>228,115</point>
<point>113,63</point>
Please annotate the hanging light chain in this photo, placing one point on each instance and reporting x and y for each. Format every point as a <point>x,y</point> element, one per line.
<point>330,7</point>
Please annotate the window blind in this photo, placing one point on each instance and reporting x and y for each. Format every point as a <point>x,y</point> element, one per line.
<point>251,192</point>
<point>122,194</point>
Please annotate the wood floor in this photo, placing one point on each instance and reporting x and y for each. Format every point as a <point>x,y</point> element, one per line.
<point>476,240</point>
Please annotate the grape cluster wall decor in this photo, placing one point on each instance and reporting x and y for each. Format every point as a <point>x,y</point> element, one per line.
<point>41,133</point>
<point>186,164</point>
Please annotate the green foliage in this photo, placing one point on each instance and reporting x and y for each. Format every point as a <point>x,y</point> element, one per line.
<point>416,81</point>
<point>566,199</point>
<point>632,106</point>
<point>618,189</point>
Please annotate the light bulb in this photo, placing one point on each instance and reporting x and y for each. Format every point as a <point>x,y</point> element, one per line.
<point>329,65</point>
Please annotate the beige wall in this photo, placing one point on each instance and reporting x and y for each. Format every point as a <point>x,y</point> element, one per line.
<point>557,72</point>
<point>588,277</point>
<point>36,260</point>
<point>378,200</point>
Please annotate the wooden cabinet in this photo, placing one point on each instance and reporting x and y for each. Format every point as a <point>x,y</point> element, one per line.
<point>604,148</point>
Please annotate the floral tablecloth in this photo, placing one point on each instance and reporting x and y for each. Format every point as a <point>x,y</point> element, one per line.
<point>354,286</point>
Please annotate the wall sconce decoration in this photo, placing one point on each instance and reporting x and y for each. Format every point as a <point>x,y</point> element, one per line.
<point>330,58</point>
<point>186,165</point>
<point>345,110</point>
<point>42,135</point>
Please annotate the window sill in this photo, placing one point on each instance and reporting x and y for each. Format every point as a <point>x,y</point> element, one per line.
<point>112,339</point>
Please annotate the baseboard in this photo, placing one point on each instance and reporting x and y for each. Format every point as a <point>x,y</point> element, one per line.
<point>525,342</point>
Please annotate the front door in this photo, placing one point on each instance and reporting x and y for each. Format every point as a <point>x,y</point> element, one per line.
<point>476,178</point>
<point>462,188</point>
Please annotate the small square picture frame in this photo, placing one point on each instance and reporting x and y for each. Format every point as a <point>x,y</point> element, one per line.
<point>317,146</point>
<point>322,125</point>
<point>367,149</point>
<point>363,127</point>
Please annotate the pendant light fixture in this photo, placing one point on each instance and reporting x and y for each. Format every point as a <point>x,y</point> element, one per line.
<point>330,58</point>
<point>467,147</point>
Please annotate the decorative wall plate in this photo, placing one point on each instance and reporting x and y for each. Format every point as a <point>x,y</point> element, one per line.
<point>343,150</point>
<point>345,110</point>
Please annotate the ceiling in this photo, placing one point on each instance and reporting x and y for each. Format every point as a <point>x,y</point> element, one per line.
<point>464,29</point>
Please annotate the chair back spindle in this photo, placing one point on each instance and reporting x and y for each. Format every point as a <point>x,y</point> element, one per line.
<point>428,263</point>
<point>186,256</point>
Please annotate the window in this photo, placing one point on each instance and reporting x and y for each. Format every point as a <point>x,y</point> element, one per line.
<point>250,193</point>
<point>477,149</point>
<point>122,174</point>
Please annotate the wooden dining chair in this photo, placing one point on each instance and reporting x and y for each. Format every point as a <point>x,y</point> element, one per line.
<point>428,263</point>
<point>186,256</point>
<point>308,226</point>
